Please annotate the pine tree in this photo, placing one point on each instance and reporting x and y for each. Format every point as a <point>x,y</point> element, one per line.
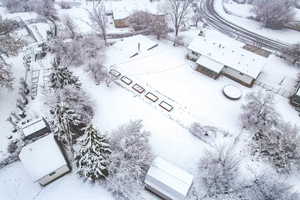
<point>61,77</point>
<point>64,119</point>
<point>93,157</point>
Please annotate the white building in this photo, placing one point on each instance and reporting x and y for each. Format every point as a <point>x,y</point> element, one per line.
<point>214,58</point>
<point>167,180</point>
<point>44,160</point>
<point>35,128</point>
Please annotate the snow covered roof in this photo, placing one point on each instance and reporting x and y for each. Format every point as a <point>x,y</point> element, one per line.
<point>237,58</point>
<point>210,64</point>
<point>168,179</point>
<point>42,157</point>
<point>33,126</point>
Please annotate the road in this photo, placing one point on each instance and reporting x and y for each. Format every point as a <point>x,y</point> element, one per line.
<point>212,18</point>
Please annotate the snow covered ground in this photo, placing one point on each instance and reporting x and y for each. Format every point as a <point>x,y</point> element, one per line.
<point>241,11</point>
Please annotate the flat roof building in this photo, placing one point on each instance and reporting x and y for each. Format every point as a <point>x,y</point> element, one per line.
<point>43,160</point>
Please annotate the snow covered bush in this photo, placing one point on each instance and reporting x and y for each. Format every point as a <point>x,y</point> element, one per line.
<point>98,72</point>
<point>258,112</point>
<point>270,186</point>
<point>130,159</point>
<point>218,174</point>
<point>93,157</point>
<point>61,76</point>
<point>273,14</point>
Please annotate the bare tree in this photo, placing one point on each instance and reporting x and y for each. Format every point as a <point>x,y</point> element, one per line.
<point>70,26</point>
<point>293,53</point>
<point>140,20</point>
<point>159,26</point>
<point>196,18</point>
<point>273,14</point>
<point>178,11</point>
<point>99,19</point>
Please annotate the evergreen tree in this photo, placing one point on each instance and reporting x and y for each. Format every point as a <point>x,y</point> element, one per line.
<point>64,119</point>
<point>93,157</point>
<point>61,77</point>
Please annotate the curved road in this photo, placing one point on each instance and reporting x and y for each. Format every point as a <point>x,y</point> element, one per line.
<point>212,18</point>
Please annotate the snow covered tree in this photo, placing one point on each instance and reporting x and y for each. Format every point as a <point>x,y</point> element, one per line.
<point>93,157</point>
<point>293,53</point>
<point>8,44</point>
<point>43,7</point>
<point>258,112</point>
<point>6,77</point>
<point>178,11</point>
<point>218,173</point>
<point>69,52</point>
<point>130,159</point>
<point>270,187</point>
<point>61,77</point>
<point>67,124</point>
<point>74,99</point>
<point>280,146</point>
<point>99,19</point>
<point>273,14</point>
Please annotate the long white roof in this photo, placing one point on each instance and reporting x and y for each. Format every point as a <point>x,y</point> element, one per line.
<point>168,179</point>
<point>237,58</point>
<point>42,157</point>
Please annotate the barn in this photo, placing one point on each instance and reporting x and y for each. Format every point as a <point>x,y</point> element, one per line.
<point>35,128</point>
<point>168,181</point>
<point>35,158</point>
<point>215,59</point>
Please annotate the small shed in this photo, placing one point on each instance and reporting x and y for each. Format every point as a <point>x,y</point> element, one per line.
<point>35,128</point>
<point>44,160</point>
<point>168,181</point>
